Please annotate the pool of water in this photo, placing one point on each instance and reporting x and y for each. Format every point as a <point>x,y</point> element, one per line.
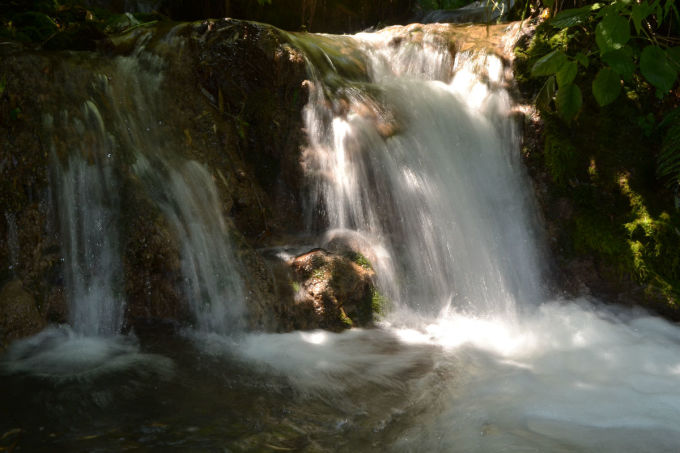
<point>570,377</point>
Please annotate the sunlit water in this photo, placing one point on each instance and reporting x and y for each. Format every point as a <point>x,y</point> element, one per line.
<point>413,160</point>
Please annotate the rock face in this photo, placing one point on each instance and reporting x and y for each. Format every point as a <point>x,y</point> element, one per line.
<point>237,94</point>
<point>330,291</point>
<point>19,315</point>
<point>236,97</point>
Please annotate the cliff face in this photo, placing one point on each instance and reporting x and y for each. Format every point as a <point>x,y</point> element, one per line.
<point>229,98</point>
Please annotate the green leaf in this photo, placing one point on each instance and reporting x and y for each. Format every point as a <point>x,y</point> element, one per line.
<point>573,16</point>
<point>549,64</point>
<point>668,161</point>
<point>545,95</point>
<point>639,13</point>
<point>621,61</point>
<point>673,54</point>
<point>606,86</point>
<point>567,73</point>
<point>582,59</point>
<point>569,101</point>
<point>548,3</point>
<point>612,33</point>
<point>657,68</point>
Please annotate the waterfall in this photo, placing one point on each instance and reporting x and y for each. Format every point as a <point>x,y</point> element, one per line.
<point>212,280</point>
<point>123,121</point>
<point>412,160</point>
<point>416,153</point>
<point>89,211</point>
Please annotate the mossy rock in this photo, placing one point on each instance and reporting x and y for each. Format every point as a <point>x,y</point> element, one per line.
<point>330,292</point>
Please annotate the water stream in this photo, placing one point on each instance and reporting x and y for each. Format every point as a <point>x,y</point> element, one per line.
<point>412,158</point>
<point>420,159</point>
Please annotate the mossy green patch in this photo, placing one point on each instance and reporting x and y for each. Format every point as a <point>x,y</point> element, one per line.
<point>378,302</point>
<point>604,163</point>
<point>295,286</point>
<point>359,259</point>
<point>345,319</point>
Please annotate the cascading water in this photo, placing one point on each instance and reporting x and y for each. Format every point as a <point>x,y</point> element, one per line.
<point>421,163</point>
<point>183,189</point>
<point>189,199</point>
<point>89,221</point>
<point>91,146</point>
<point>413,160</point>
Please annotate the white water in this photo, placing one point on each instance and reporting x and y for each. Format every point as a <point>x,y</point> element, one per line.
<point>441,196</point>
<point>475,355</point>
<point>89,209</point>
<point>125,121</point>
<point>569,377</point>
<point>420,167</point>
<point>63,355</point>
<point>189,200</point>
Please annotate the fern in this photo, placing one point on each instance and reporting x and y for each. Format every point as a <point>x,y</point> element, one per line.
<point>668,161</point>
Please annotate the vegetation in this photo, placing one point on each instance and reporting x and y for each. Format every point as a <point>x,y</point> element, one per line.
<point>63,24</point>
<point>442,4</point>
<point>624,42</point>
<point>378,302</point>
<point>605,80</point>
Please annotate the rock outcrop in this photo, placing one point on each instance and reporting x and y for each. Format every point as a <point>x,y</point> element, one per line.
<point>230,98</point>
<point>329,291</point>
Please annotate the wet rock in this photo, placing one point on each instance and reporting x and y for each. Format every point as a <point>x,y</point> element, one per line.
<point>237,94</point>
<point>330,291</point>
<point>19,315</point>
<point>253,79</point>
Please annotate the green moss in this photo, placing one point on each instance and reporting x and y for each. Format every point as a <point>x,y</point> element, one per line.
<point>595,233</point>
<point>344,319</point>
<point>319,274</point>
<point>560,156</point>
<point>604,165</point>
<point>378,302</point>
<point>359,259</point>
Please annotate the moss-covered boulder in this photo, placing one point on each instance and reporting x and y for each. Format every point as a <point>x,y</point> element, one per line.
<point>329,291</point>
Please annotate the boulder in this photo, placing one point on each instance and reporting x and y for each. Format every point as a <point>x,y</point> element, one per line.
<point>330,291</point>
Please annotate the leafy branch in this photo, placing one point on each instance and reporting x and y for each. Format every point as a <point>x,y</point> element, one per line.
<point>628,45</point>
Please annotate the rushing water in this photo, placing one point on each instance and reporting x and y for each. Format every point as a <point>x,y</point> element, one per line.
<point>422,164</point>
<point>88,212</point>
<point>123,119</point>
<point>413,159</point>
